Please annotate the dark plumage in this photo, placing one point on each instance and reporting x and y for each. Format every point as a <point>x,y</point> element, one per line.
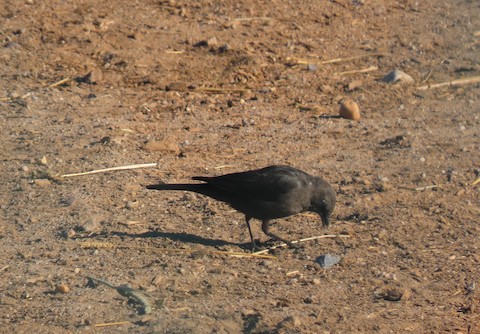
<point>265,194</point>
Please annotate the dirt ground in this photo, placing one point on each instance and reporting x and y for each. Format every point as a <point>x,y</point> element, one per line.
<point>212,87</point>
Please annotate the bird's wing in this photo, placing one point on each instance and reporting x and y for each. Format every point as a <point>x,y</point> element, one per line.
<point>263,184</point>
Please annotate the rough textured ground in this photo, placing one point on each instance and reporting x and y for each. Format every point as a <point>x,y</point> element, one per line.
<point>412,258</point>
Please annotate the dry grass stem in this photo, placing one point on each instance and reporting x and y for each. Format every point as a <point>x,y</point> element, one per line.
<point>477,181</point>
<point>255,18</point>
<point>108,324</point>
<point>420,188</point>
<point>302,240</point>
<point>112,169</point>
<point>96,244</point>
<point>222,90</point>
<point>59,83</point>
<point>458,82</point>
<point>363,70</point>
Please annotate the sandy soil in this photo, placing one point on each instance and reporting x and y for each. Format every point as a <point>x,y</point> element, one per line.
<point>142,86</point>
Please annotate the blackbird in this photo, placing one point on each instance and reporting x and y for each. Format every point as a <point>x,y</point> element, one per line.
<point>265,194</point>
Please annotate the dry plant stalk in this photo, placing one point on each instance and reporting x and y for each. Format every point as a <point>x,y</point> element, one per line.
<point>96,244</point>
<point>303,240</point>
<point>59,83</point>
<point>458,82</point>
<point>420,188</point>
<point>300,61</point>
<point>222,90</point>
<point>363,70</point>
<point>246,19</point>
<point>107,324</point>
<point>111,169</point>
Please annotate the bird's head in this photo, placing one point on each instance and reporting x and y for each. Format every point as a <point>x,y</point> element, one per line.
<point>323,201</point>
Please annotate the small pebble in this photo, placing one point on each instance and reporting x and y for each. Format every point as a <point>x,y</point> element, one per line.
<point>91,225</point>
<point>308,300</point>
<point>62,288</point>
<point>397,76</point>
<point>43,183</point>
<point>290,321</point>
<point>349,109</point>
<point>93,77</point>
<point>266,263</point>
<point>328,260</point>
<point>131,205</point>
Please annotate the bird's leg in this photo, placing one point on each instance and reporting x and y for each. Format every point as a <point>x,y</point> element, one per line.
<point>254,245</point>
<point>265,228</point>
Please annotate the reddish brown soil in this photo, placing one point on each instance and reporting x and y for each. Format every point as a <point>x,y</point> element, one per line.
<point>412,259</point>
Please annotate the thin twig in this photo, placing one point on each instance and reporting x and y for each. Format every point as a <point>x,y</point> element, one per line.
<point>477,181</point>
<point>113,324</point>
<point>301,61</point>
<point>222,90</point>
<point>339,60</point>
<point>419,188</point>
<point>458,82</point>
<point>111,169</point>
<point>261,18</point>
<point>59,83</point>
<point>90,244</point>
<point>302,240</point>
<point>363,70</point>
<point>223,166</point>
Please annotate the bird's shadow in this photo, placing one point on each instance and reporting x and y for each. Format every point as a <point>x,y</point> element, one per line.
<point>184,237</point>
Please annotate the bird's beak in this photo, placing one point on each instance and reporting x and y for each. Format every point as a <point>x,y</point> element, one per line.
<point>325,220</point>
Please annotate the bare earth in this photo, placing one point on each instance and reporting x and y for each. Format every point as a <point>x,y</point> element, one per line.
<point>403,174</point>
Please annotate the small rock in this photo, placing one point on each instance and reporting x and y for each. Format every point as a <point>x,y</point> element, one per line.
<point>349,109</point>
<point>43,183</point>
<point>396,294</point>
<point>131,205</point>
<point>93,77</point>
<point>407,294</point>
<point>326,89</point>
<point>91,225</point>
<point>69,234</point>
<point>266,263</point>
<point>290,322</point>
<point>62,288</point>
<point>398,76</point>
<point>308,300</point>
<point>176,87</point>
<point>312,67</point>
<point>328,260</point>
<point>212,42</point>
<point>316,281</point>
<point>164,145</point>
<point>43,161</point>
<point>354,85</point>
